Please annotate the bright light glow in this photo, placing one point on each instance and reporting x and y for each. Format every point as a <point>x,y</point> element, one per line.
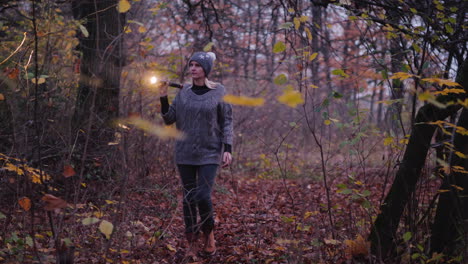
<point>153,80</point>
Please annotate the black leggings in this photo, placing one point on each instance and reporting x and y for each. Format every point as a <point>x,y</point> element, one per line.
<point>198,183</point>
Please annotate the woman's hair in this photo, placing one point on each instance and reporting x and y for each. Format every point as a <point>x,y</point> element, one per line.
<point>210,84</point>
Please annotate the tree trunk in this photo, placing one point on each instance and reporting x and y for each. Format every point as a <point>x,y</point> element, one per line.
<point>97,102</point>
<point>448,232</point>
<point>385,226</point>
<point>6,123</point>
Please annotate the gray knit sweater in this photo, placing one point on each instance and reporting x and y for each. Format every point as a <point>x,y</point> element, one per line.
<point>205,120</point>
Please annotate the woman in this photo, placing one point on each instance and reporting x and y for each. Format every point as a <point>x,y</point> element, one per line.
<point>206,121</point>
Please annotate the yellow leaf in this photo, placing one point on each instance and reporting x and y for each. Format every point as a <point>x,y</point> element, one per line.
<point>39,81</point>
<point>123,6</point>
<point>424,96</point>
<point>401,75</point>
<point>331,241</point>
<point>313,56</point>
<point>441,81</point>
<point>106,228</point>
<point>309,214</point>
<point>10,167</point>
<point>243,100</point>
<point>461,155</point>
<point>314,86</point>
<point>163,132</point>
<point>142,29</point>
<point>304,18</point>
<point>388,141</point>
<point>447,91</point>
<point>291,98</point>
<point>25,203</point>
<point>90,220</point>
<point>327,122</point>
<point>2,97</point>
<point>128,30</point>
<point>297,23</point>
<point>208,47</point>
<point>309,34</point>
<point>279,47</point>
<point>357,248</point>
<point>457,187</point>
<point>171,248</point>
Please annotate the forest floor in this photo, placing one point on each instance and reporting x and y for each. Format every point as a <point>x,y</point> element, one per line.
<point>257,221</point>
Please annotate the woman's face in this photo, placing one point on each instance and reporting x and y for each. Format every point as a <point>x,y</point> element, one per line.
<point>196,70</point>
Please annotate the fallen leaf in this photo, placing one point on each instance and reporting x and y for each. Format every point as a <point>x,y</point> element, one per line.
<point>89,220</point>
<point>171,248</point>
<point>13,74</point>
<point>68,171</point>
<point>39,81</point>
<point>106,228</point>
<point>25,203</point>
<point>123,6</point>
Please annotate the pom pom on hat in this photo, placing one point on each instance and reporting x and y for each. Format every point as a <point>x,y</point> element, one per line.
<point>205,59</point>
<point>212,55</point>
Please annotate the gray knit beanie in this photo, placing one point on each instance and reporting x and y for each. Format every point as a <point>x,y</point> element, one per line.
<point>205,59</point>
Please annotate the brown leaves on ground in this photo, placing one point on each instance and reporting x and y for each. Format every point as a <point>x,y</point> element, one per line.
<point>257,221</point>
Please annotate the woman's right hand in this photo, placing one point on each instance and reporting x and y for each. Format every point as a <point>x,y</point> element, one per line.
<point>163,88</point>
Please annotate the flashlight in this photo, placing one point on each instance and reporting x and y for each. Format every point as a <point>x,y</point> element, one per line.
<point>154,80</point>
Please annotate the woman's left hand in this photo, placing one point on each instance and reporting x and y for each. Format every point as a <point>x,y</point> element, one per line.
<point>227,159</point>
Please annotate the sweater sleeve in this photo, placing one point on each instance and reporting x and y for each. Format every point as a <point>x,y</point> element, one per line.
<point>164,104</point>
<point>226,123</point>
<point>168,112</point>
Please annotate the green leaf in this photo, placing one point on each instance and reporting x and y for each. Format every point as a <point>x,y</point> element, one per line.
<point>106,228</point>
<point>90,221</point>
<point>345,191</point>
<point>67,242</point>
<point>337,95</point>
<point>286,25</point>
<point>279,47</point>
<point>415,256</point>
<point>449,28</point>
<point>341,186</point>
<point>407,236</point>
<point>366,193</point>
<point>366,204</point>
<point>2,216</point>
<point>339,72</point>
<point>280,79</point>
